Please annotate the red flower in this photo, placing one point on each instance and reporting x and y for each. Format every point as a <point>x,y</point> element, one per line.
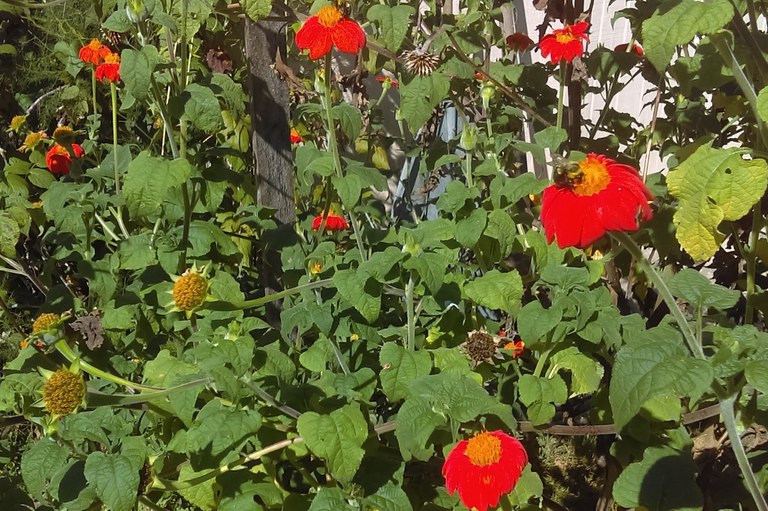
<point>484,468</point>
<point>329,27</point>
<point>110,69</point>
<point>384,80</point>
<point>519,41</point>
<point>296,137</point>
<point>600,196</point>
<point>517,347</point>
<point>58,160</point>
<point>564,43</point>
<point>333,223</point>
<point>94,52</point>
<point>622,48</point>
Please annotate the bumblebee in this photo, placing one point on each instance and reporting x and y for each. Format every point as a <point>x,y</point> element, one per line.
<point>565,173</point>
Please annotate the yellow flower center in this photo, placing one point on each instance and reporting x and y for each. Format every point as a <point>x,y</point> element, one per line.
<point>189,291</point>
<point>44,321</point>
<point>112,58</point>
<point>31,140</point>
<point>329,16</point>
<point>483,449</point>
<point>95,45</point>
<point>593,178</point>
<point>62,131</point>
<point>63,392</point>
<point>18,121</point>
<point>316,268</point>
<point>565,37</point>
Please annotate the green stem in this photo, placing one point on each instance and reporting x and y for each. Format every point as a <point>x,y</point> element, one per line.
<point>165,116</point>
<point>410,343</point>
<point>93,90</point>
<point>339,356</point>
<point>661,287</point>
<point>100,399</point>
<point>561,96</point>
<point>334,145</point>
<point>258,302</point>
<point>729,419</point>
<point>723,46</point>
<point>468,169</point>
<point>185,227</point>
<point>113,91</point>
<point>71,356</point>
<point>540,364</point>
<point>751,258</point>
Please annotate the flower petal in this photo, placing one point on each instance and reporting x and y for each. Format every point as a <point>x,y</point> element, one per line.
<point>348,36</point>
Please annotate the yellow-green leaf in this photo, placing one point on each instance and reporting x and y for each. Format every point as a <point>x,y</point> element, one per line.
<point>713,185</point>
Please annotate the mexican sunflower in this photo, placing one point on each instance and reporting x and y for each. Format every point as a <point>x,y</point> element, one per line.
<point>94,52</point>
<point>519,41</point>
<point>110,69</point>
<point>565,43</point>
<point>58,160</point>
<point>333,223</point>
<point>484,468</point>
<point>597,196</point>
<point>329,27</point>
<point>296,137</point>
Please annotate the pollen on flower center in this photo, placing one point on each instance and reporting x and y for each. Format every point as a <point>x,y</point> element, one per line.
<point>594,177</point>
<point>189,291</point>
<point>63,392</point>
<point>112,58</point>
<point>483,449</point>
<point>565,37</point>
<point>329,16</point>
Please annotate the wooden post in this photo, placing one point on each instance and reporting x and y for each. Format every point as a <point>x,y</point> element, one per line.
<point>269,108</point>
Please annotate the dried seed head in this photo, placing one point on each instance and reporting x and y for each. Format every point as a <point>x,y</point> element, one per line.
<point>420,62</point>
<point>44,321</point>
<point>63,392</point>
<point>190,291</point>
<point>480,345</point>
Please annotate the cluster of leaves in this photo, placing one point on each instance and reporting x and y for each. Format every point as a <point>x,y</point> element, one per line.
<point>351,392</point>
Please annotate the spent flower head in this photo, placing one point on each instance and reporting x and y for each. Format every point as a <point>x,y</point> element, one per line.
<point>64,391</point>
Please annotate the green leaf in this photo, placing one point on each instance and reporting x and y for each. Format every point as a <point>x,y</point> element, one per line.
<point>201,495</point>
<point>393,22</point>
<point>652,368</point>
<point>430,267</point>
<point>454,197</point>
<point>360,291</point>
<point>202,107</point>
<point>136,68</point>
<point>420,96</point>
<point>469,230</point>
<point>416,420</point>
<point>496,290</point>
<point>501,227</point>
<point>667,29</point>
<point>698,291</point>
<point>330,499</point>
<point>349,118</point>
<point>40,178</point>
<point>540,395</point>
<point>586,374</point>
<point>534,322</point>
<point>713,185</point>
<point>551,137</point>
<point>529,486</point>
<point>348,187</point>
<point>149,180</point>
<point>39,463</point>
<point>113,478</point>
<point>337,438</point>
<point>389,498</point>
<point>664,480</point>
<point>118,22</point>
<point>399,367</point>
<point>257,9</point>
<point>9,235</point>
<point>757,375</point>
<point>762,104</point>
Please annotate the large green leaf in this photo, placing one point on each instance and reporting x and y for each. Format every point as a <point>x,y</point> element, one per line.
<point>330,499</point>
<point>136,68</point>
<point>202,107</point>
<point>39,463</point>
<point>389,498</point>
<point>257,9</point>
<point>698,291</point>
<point>393,22</point>
<point>420,96</point>
<point>649,369</point>
<point>337,438</point>
<point>399,367</point>
<point>540,395</point>
<point>416,420</point>
<point>668,28</point>
<point>586,373</point>
<point>113,478</point>
<point>713,185</point>
<point>496,290</point>
<point>664,480</point>
<point>534,321</point>
<point>360,291</point>
<point>149,180</point>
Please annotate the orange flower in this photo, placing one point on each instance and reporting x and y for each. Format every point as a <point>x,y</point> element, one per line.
<point>329,27</point>
<point>622,48</point>
<point>484,468</point>
<point>519,41</point>
<point>517,347</point>
<point>565,43</point>
<point>386,81</point>
<point>110,69</point>
<point>59,160</point>
<point>598,196</point>
<point>94,52</point>
<point>333,223</point>
<point>296,137</point>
